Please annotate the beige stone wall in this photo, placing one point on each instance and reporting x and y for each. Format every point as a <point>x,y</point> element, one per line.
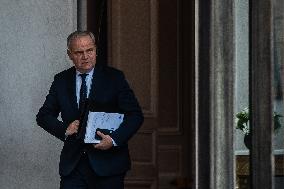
<point>32,46</point>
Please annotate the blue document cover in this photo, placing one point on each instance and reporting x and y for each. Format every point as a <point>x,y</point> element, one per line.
<point>102,121</point>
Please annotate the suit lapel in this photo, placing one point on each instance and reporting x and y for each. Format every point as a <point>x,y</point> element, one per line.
<point>71,86</point>
<point>97,82</point>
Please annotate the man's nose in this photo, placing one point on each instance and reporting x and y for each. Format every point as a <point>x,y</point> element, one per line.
<point>84,55</point>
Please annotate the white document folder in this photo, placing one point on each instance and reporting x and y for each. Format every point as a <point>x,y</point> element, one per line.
<point>101,120</point>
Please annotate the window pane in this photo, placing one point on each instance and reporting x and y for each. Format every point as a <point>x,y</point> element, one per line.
<point>242,91</point>
<point>278,40</point>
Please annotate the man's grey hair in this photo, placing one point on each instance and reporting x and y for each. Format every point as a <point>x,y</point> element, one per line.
<point>77,34</point>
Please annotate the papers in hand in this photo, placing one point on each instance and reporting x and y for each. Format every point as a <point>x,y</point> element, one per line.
<point>102,121</point>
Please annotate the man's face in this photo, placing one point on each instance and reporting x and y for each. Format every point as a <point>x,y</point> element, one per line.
<point>82,52</point>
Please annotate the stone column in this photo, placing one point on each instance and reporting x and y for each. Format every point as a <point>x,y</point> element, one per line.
<point>216,95</point>
<point>82,15</point>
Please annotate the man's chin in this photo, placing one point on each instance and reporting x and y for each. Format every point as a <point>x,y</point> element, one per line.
<point>85,69</point>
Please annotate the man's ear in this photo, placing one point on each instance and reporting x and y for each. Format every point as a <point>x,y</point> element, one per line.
<point>69,54</point>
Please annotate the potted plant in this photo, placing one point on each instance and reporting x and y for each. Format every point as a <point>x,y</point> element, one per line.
<point>243,124</point>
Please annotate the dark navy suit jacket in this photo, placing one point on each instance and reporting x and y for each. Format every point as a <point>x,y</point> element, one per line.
<point>109,92</point>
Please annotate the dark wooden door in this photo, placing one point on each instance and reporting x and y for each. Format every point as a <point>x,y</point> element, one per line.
<point>176,109</point>
<point>152,41</point>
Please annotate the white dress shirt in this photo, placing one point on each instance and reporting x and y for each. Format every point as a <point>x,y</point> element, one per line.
<point>79,82</point>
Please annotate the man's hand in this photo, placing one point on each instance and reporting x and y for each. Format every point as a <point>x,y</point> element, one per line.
<point>106,142</point>
<point>72,128</point>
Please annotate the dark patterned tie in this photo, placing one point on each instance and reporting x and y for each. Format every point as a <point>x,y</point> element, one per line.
<point>82,106</point>
<point>83,93</point>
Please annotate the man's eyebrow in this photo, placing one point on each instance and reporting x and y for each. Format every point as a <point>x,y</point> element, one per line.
<point>78,51</point>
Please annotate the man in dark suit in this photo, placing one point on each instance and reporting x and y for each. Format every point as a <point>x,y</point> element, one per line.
<point>75,91</point>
